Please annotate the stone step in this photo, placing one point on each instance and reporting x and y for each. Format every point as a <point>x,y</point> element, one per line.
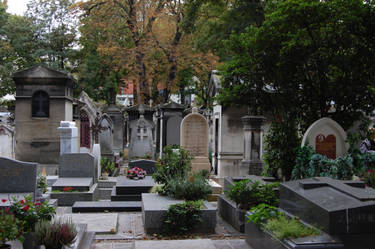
<point>106,206</point>
<point>105,193</point>
<point>110,183</point>
<point>115,197</point>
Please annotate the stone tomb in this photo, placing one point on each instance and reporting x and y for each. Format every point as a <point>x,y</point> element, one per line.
<point>106,137</point>
<point>7,142</point>
<point>16,179</point>
<point>327,137</point>
<point>148,165</point>
<point>342,208</point>
<point>141,138</point>
<point>194,138</point>
<point>77,172</point>
<point>68,137</point>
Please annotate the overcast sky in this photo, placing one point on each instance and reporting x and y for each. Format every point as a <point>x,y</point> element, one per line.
<point>17,6</point>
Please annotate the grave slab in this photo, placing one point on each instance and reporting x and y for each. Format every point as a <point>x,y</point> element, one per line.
<point>173,244</point>
<point>106,206</point>
<point>126,186</point>
<point>148,165</point>
<point>96,222</point>
<point>341,208</point>
<point>77,183</point>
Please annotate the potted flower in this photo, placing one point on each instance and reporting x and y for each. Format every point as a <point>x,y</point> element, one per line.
<point>137,173</point>
<point>107,167</point>
<point>30,213</point>
<point>10,229</point>
<point>42,185</point>
<point>55,234</point>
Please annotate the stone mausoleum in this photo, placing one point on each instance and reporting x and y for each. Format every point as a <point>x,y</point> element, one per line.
<point>43,98</point>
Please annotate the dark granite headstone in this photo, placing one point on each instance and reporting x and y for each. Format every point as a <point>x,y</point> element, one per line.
<point>17,176</point>
<point>148,165</point>
<point>337,207</point>
<point>78,165</point>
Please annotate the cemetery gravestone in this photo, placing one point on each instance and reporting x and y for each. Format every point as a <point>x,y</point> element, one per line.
<point>327,137</point>
<point>141,142</point>
<point>105,138</point>
<point>148,165</point>
<point>68,137</point>
<point>78,165</point>
<point>17,176</point>
<point>7,141</point>
<point>194,138</point>
<point>97,154</point>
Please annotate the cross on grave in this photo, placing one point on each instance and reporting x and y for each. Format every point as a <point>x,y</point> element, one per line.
<point>142,133</point>
<point>97,128</point>
<point>40,100</point>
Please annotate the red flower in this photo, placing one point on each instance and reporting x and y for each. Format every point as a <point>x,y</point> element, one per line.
<point>22,202</point>
<point>370,171</point>
<point>26,208</point>
<point>4,200</point>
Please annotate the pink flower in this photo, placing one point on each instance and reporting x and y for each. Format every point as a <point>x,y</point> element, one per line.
<point>26,208</point>
<point>22,202</point>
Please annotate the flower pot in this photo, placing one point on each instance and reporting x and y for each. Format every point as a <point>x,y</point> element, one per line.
<point>5,246</point>
<point>105,176</point>
<point>29,242</point>
<point>39,192</point>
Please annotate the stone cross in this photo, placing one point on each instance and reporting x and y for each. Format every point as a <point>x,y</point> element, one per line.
<point>141,134</point>
<point>97,128</point>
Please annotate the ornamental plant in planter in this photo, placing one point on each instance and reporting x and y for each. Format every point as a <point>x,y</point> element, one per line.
<point>30,212</point>
<point>136,173</point>
<point>107,166</point>
<point>10,229</point>
<point>267,227</point>
<point>55,234</point>
<point>241,197</point>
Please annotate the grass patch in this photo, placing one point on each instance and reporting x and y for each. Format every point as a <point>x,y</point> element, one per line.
<point>285,228</point>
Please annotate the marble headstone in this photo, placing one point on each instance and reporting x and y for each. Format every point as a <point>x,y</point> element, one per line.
<point>68,137</point>
<point>97,154</point>
<point>105,138</point>
<point>7,141</point>
<point>327,137</point>
<point>194,138</point>
<point>148,165</point>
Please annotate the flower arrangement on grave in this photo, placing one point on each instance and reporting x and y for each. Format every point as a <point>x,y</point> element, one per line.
<point>31,212</point>
<point>55,234</point>
<point>369,178</point>
<point>107,166</point>
<point>68,189</point>
<point>10,228</point>
<point>136,173</point>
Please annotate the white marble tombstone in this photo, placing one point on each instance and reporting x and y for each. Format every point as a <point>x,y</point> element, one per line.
<point>68,137</point>
<point>97,154</point>
<point>6,141</point>
<point>327,137</point>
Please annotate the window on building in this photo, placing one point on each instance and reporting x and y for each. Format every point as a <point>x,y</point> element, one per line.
<point>40,104</point>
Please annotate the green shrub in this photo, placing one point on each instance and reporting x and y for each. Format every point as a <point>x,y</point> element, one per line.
<point>176,162</point>
<point>194,187</point>
<point>284,228</point>
<point>247,195</point>
<point>182,218</point>
<point>279,148</point>
<point>310,164</point>
<point>261,213</point>
<point>42,183</point>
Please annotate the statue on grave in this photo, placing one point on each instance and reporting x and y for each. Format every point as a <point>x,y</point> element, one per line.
<point>367,146</point>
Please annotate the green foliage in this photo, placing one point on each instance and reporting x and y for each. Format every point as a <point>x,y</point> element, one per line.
<point>284,228</point>
<point>194,187</point>
<point>42,183</point>
<point>279,146</point>
<point>10,227</point>
<point>301,60</point>
<point>309,164</point>
<point>260,214</point>
<point>31,212</point>
<point>107,165</point>
<point>247,195</point>
<point>175,163</point>
<point>182,218</point>
<point>55,234</point>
